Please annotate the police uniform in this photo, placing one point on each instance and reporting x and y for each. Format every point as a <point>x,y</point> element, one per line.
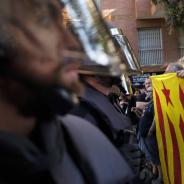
<point>66,151</point>
<point>97,109</point>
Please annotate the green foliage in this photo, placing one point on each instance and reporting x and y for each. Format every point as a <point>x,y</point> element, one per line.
<point>174,12</point>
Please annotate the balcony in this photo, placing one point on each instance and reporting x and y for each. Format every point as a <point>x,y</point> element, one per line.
<point>145,9</point>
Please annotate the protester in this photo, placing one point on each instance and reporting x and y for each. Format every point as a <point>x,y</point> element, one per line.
<point>147,129</point>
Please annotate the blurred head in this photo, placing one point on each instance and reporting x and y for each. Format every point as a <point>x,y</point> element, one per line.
<point>147,84</point>
<point>114,90</point>
<point>104,84</point>
<point>34,55</point>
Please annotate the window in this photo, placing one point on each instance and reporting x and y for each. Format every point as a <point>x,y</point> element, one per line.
<point>181,42</point>
<point>150,46</point>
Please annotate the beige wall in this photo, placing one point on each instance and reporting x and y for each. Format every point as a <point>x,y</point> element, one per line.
<point>123,17</point>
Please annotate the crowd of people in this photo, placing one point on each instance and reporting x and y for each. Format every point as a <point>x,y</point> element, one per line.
<point>60,126</point>
<point>143,108</point>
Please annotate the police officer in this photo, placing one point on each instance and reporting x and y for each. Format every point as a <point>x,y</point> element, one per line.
<point>37,83</point>
<point>100,48</point>
<point>96,107</point>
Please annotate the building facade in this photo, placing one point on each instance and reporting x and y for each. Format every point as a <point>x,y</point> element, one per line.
<point>144,25</point>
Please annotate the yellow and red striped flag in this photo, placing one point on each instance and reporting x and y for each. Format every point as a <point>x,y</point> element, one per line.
<point>168,95</point>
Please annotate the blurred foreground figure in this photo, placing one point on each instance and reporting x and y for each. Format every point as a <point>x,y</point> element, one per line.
<point>38,80</point>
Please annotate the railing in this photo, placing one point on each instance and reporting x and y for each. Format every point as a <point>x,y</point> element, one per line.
<point>151,56</point>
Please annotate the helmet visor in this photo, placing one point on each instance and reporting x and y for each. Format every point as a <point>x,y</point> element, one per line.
<point>94,35</point>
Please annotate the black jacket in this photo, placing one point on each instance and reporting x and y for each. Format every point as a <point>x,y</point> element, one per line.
<point>97,109</point>
<point>144,127</point>
<point>65,151</point>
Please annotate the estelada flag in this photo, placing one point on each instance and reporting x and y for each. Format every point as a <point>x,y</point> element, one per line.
<point>168,95</point>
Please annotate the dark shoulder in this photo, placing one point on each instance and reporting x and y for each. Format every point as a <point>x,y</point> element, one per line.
<point>95,151</point>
